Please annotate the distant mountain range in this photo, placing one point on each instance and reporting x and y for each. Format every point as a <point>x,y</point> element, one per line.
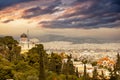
<point>75,40</point>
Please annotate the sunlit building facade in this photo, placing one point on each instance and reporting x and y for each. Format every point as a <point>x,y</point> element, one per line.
<point>27,43</point>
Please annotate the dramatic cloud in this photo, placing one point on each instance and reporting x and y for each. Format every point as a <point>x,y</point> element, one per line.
<point>62,20</point>
<point>87,14</point>
<point>7,21</point>
<point>6,3</point>
<point>38,11</point>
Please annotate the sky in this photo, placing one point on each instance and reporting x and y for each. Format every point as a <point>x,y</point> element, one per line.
<point>76,19</point>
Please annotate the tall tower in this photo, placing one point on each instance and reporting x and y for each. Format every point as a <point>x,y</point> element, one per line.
<point>28,38</point>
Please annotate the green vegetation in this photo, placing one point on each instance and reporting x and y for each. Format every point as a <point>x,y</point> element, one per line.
<point>36,64</point>
<point>115,73</point>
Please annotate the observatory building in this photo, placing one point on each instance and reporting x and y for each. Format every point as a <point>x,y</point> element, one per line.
<point>27,43</point>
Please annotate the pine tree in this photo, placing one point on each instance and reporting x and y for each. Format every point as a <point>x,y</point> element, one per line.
<point>77,73</point>
<point>84,61</point>
<point>70,67</point>
<point>117,68</point>
<point>118,62</point>
<point>64,68</point>
<point>55,63</point>
<point>85,72</point>
<point>115,74</point>
<point>41,52</point>
<point>95,73</point>
<point>95,70</point>
<point>10,43</point>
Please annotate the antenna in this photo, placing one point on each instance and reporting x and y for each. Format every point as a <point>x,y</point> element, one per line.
<point>28,37</point>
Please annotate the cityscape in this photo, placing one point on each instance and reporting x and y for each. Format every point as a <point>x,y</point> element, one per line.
<point>60,40</point>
